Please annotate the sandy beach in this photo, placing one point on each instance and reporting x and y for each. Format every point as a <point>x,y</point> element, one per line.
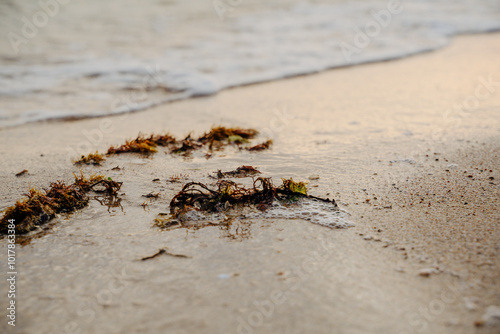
<point>410,149</point>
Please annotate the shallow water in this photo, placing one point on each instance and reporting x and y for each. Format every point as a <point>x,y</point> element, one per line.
<point>90,58</point>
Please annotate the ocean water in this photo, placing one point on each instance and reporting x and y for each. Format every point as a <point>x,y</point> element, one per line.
<point>76,59</point>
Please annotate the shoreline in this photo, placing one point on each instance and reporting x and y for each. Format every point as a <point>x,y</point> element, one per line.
<point>387,149</point>
<point>159,104</point>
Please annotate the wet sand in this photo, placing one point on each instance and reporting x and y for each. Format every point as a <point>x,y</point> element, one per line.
<point>418,173</point>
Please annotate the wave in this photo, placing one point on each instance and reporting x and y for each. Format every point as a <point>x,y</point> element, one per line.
<point>175,62</point>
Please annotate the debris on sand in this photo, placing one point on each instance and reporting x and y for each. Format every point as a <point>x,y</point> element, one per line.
<point>243,171</point>
<point>41,206</point>
<point>216,139</point>
<point>21,173</point>
<point>143,144</point>
<point>426,272</point>
<point>198,197</point>
<point>219,136</point>
<point>177,178</point>
<point>152,195</point>
<point>91,159</point>
<point>261,147</point>
<point>97,183</point>
<point>137,145</point>
<point>164,251</point>
<point>294,187</point>
<point>185,146</point>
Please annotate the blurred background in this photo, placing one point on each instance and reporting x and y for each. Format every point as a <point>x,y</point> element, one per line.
<point>76,59</point>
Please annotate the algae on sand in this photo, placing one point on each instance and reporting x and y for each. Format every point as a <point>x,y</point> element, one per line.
<point>90,159</point>
<point>216,139</point>
<point>196,197</point>
<point>243,171</point>
<point>38,207</point>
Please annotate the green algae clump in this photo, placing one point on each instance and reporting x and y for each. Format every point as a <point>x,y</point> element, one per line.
<point>294,187</point>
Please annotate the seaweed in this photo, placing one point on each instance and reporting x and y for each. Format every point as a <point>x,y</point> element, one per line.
<point>221,133</point>
<point>294,187</point>
<point>38,207</point>
<point>162,251</point>
<point>216,139</point>
<point>185,146</point>
<point>138,145</point>
<point>83,183</point>
<point>243,171</point>
<point>142,144</point>
<point>162,140</point>
<point>227,194</point>
<point>220,136</point>
<point>176,178</point>
<point>260,147</point>
<point>109,201</point>
<point>91,159</point>
<point>23,172</point>
<point>152,195</point>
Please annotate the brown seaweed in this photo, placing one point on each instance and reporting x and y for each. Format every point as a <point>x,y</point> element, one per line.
<point>221,133</point>
<point>138,145</point>
<point>216,139</point>
<point>260,147</point>
<point>227,194</point>
<point>162,251</point>
<point>185,146</point>
<point>91,159</point>
<point>243,171</point>
<point>143,144</point>
<point>38,207</point>
<point>23,172</point>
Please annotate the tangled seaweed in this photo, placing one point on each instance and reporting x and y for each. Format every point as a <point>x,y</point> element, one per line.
<point>186,146</point>
<point>216,139</point>
<point>227,194</point>
<point>39,207</point>
<point>220,136</point>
